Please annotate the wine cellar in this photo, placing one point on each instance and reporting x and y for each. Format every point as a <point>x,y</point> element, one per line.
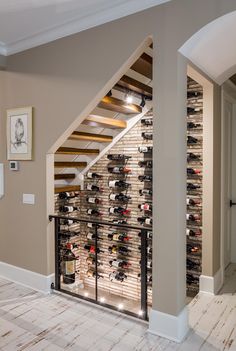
<point>117,189</point>
<point>106,257</point>
<point>194,185</point>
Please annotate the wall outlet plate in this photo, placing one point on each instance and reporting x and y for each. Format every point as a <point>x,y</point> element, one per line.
<point>29,199</point>
<point>14,165</point>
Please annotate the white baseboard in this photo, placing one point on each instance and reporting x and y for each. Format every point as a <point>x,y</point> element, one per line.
<point>27,278</point>
<point>174,328</point>
<point>211,285</point>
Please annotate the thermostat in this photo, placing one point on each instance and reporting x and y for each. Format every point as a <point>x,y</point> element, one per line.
<point>14,166</point>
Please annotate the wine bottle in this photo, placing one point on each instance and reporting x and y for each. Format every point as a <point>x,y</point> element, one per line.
<point>119,221</point>
<point>119,210</point>
<point>145,207</point>
<point>93,175</point>
<point>192,248</point>
<point>68,233</point>
<point>193,110</point>
<point>149,235</point>
<point>191,265</point>
<point>69,261</point>
<point>71,246</point>
<point>92,274</point>
<point>145,220</point>
<point>119,197</point>
<point>68,195</point>
<point>193,157</point>
<point>191,279</point>
<point>67,222</point>
<point>118,157</point>
<point>145,178</point>
<point>91,261</point>
<point>122,250</point>
<point>93,225</point>
<point>92,236</point>
<point>191,232</point>
<point>192,202</point>
<point>193,171</point>
<point>191,140</point>
<point>93,212</point>
<point>145,192</point>
<point>149,250</point>
<point>192,125</point>
<point>194,94</point>
<point>91,249</point>
<point>119,276</point>
<point>118,169</point>
<point>93,200</point>
<point>147,164</point>
<point>68,209</point>
<point>191,186</point>
<point>147,121</point>
<point>92,187</point>
<point>118,263</point>
<point>146,136</point>
<point>192,217</point>
<point>145,149</point>
<point>118,184</point>
<point>122,237</point>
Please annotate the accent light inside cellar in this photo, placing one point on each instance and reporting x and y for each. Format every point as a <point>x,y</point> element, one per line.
<point>86,294</point>
<point>102,299</point>
<point>140,313</point>
<point>129,98</point>
<point>120,306</point>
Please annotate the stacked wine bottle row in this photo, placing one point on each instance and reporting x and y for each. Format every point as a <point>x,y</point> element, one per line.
<point>118,189</point>
<point>67,204</point>
<point>194,184</point>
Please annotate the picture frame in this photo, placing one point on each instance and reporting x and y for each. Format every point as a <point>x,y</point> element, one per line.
<point>19,133</point>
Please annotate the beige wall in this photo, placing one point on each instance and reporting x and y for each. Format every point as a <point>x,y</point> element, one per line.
<point>66,78</point>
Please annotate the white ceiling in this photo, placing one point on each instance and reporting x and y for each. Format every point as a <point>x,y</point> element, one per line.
<point>28,23</point>
<point>212,48</point>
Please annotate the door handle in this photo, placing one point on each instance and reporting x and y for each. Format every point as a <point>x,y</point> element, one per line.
<point>231,203</point>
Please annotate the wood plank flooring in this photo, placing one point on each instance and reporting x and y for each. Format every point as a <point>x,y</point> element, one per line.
<point>32,321</point>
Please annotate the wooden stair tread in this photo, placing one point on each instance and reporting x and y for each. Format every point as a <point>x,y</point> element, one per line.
<point>134,85</point>
<point>61,176</point>
<point>76,151</point>
<point>105,122</point>
<point>113,104</point>
<point>63,188</point>
<point>67,164</point>
<point>90,137</point>
<point>143,65</point>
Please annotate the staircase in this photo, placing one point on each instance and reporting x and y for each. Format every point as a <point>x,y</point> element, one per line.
<point>105,125</point>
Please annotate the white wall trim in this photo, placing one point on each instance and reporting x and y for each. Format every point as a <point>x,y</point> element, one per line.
<point>107,14</point>
<point>167,326</point>
<point>211,285</point>
<point>26,278</point>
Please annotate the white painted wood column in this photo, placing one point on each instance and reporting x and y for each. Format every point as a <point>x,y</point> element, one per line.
<point>169,316</point>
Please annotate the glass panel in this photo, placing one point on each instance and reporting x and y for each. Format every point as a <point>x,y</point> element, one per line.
<point>75,277</point>
<point>119,283</point>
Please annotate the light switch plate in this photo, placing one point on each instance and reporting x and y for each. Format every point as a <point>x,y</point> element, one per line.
<point>29,199</point>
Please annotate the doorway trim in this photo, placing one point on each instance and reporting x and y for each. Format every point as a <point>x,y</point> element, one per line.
<point>228,93</point>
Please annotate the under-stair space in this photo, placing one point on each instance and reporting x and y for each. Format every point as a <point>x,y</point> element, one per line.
<point>103,126</point>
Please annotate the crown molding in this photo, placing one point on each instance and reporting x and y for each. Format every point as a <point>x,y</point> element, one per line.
<point>78,25</point>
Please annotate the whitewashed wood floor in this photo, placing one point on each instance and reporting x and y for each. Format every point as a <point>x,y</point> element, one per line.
<point>32,321</point>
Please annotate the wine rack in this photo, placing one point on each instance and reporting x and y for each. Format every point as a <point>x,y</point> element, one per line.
<point>129,146</point>
<point>194,185</point>
<point>136,170</point>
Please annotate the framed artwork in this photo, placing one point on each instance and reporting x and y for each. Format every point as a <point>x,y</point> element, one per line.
<point>19,133</point>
